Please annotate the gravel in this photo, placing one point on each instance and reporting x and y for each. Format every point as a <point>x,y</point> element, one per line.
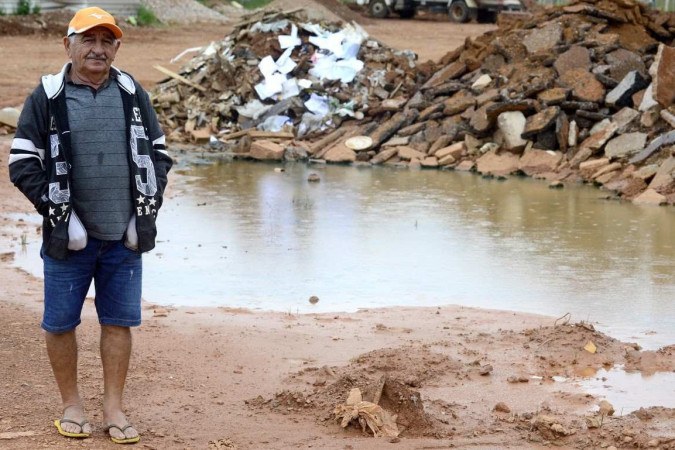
<point>184,12</point>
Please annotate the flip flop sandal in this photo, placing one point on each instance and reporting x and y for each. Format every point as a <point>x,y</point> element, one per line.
<point>132,440</point>
<point>62,432</point>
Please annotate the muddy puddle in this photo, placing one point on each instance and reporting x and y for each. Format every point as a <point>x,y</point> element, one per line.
<point>629,391</point>
<point>243,234</point>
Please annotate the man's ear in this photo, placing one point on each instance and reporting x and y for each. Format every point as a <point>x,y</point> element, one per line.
<point>66,45</point>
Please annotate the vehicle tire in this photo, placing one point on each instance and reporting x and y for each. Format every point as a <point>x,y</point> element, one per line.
<point>378,8</point>
<point>407,13</point>
<point>458,11</point>
<point>486,17</point>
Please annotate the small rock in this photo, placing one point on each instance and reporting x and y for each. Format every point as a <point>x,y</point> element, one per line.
<point>313,178</point>
<point>502,407</point>
<point>485,370</point>
<point>314,299</point>
<point>160,312</point>
<point>556,185</point>
<point>606,408</point>
<point>593,422</point>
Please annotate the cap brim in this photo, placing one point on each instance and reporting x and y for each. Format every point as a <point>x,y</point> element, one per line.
<point>113,28</point>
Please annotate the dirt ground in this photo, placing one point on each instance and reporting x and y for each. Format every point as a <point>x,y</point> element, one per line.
<point>235,379</point>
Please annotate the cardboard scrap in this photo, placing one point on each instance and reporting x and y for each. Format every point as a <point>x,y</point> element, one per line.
<point>369,416</point>
<point>590,347</point>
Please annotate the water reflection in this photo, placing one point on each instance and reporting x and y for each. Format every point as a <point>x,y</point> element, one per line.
<point>241,234</point>
<point>630,391</point>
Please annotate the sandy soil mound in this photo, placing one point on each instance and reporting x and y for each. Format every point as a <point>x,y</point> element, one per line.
<point>406,381</point>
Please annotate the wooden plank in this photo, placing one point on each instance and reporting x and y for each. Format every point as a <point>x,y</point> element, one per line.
<point>257,134</point>
<point>180,78</point>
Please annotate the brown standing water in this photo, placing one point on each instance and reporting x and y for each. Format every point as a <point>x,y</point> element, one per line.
<point>243,234</point>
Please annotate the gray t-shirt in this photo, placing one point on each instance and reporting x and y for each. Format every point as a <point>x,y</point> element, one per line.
<point>101,180</point>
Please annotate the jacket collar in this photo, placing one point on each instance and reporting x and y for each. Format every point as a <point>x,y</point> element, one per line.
<point>53,84</point>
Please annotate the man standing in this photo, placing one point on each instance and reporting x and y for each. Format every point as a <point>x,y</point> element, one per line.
<point>90,155</point>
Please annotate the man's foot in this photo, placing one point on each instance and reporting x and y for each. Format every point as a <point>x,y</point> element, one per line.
<point>122,434</point>
<point>73,423</point>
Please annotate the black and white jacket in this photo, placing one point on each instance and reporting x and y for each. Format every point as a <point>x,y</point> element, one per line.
<point>40,159</point>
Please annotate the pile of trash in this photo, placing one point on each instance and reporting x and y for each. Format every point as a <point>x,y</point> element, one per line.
<point>583,92</point>
<point>279,72</point>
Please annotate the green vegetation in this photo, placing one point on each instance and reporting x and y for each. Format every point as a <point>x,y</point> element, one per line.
<point>253,4</point>
<point>145,17</point>
<point>23,8</point>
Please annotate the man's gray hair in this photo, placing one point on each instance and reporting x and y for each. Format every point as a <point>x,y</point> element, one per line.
<point>71,38</point>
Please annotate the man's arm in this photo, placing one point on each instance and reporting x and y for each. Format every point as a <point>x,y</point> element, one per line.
<point>162,160</point>
<point>27,155</point>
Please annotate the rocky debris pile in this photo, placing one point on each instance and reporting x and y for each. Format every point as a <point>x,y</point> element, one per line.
<point>278,72</point>
<point>580,92</point>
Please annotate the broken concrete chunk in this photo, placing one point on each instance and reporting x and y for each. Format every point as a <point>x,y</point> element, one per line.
<point>664,77</point>
<point>543,39</point>
<point>408,153</point>
<point>455,150</point>
<point>266,151</point>
<point>340,153</point>
<point>622,94</point>
<point>553,96</point>
<point>482,82</point>
<point>654,145</point>
<point>512,126</point>
<point>625,145</point>
<point>650,197</point>
<point>384,155</point>
<point>577,57</point>
<point>622,61</point>
<point>458,103</point>
<point>663,180</point>
<point>585,87</point>
<point>668,116</point>
<point>624,118</point>
<point>541,121</point>
<point>534,161</point>
<point>501,164</point>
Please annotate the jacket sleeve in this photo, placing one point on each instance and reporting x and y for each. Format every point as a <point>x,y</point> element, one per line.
<point>162,160</point>
<point>27,168</point>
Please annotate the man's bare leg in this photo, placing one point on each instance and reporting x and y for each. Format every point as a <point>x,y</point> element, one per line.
<point>115,354</point>
<point>62,352</point>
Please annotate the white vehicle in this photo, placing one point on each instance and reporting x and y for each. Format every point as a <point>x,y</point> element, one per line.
<point>459,10</point>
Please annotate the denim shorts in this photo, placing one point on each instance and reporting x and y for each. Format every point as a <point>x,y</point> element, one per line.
<point>117,273</point>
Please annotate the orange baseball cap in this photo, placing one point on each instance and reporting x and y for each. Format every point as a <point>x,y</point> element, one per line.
<point>88,18</point>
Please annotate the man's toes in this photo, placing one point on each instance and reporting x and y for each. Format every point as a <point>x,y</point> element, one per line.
<point>130,433</point>
<point>70,427</point>
<point>116,433</point>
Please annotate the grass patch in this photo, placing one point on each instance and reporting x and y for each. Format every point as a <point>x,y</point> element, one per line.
<point>144,18</point>
<point>253,4</point>
<point>24,8</point>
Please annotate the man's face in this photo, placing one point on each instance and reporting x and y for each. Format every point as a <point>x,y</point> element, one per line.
<point>92,52</point>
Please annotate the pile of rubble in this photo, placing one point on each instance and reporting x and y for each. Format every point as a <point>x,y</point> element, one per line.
<point>580,92</point>
<point>277,71</point>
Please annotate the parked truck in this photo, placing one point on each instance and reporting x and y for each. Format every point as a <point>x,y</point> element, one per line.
<point>459,10</point>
